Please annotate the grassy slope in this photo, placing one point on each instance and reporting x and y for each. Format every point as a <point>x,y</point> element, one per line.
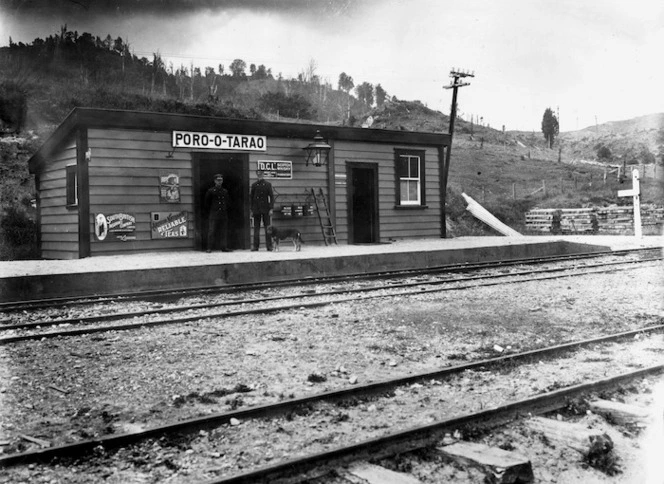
<point>486,164</point>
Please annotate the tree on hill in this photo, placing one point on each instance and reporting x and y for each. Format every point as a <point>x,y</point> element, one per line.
<point>365,93</point>
<point>345,83</point>
<point>381,95</point>
<point>238,67</point>
<point>549,126</point>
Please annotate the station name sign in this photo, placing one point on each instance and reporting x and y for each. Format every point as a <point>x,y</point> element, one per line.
<point>218,141</point>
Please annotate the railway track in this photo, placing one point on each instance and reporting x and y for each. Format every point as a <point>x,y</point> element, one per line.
<point>317,296</point>
<point>396,399</point>
<point>219,447</point>
<point>160,295</point>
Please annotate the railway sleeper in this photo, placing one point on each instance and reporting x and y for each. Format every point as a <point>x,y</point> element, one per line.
<point>498,465</point>
<point>620,413</point>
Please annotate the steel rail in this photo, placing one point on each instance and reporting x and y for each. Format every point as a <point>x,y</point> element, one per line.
<point>306,295</point>
<point>458,267</point>
<point>287,307</point>
<point>280,408</point>
<point>319,464</point>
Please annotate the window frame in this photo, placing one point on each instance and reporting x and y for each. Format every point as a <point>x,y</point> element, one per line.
<point>406,204</point>
<point>71,185</point>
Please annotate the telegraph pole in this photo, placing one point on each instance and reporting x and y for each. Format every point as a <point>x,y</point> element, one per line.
<point>457,82</point>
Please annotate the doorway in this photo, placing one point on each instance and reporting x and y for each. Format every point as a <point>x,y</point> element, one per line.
<point>235,169</point>
<point>363,203</point>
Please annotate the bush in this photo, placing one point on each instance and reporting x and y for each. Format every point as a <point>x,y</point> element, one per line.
<point>13,106</point>
<point>511,212</point>
<point>294,106</point>
<point>603,153</point>
<point>19,235</point>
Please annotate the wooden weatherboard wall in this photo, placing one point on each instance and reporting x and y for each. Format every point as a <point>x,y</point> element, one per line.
<point>395,222</point>
<point>124,168</point>
<point>290,192</point>
<point>58,223</point>
<point>120,156</point>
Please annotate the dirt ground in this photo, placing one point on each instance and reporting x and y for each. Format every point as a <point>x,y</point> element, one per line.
<point>68,389</point>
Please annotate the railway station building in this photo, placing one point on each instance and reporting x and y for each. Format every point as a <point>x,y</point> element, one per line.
<point>115,182</point>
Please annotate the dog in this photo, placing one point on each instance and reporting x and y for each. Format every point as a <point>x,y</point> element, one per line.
<point>283,234</point>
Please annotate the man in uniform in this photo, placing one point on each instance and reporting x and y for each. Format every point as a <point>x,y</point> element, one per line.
<point>262,203</point>
<point>217,202</point>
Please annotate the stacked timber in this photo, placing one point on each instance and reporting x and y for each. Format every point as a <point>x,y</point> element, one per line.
<point>652,216</point>
<point>615,220</point>
<point>578,221</point>
<point>620,219</point>
<point>545,220</point>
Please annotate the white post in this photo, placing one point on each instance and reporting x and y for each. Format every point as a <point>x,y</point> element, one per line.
<point>637,203</point>
<point>635,193</point>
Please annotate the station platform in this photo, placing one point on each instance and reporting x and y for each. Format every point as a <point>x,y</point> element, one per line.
<point>129,274</point>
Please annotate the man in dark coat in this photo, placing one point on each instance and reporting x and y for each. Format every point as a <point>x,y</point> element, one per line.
<point>262,203</point>
<point>217,202</point>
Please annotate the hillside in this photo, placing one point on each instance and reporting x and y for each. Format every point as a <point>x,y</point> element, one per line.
<point>507,172</point>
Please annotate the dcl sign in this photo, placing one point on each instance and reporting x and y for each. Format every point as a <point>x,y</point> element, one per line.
<point>218,141</point>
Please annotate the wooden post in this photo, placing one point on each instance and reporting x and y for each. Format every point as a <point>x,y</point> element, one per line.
<point>513,191</point>
<point>605,175</point>
<point>618,176</point>
<point>544,187</point>
<point>635,193</point>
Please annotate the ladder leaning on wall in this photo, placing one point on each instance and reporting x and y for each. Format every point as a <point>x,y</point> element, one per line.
<point>325,220</point>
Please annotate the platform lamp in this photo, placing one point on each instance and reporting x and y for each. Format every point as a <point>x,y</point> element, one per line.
<point>318,151</point>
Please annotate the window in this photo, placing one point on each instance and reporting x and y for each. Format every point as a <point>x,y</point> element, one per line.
<point>410,178</point>
<point>72,188</point>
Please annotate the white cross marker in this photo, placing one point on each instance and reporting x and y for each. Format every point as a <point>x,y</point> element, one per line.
<point>635,193</point>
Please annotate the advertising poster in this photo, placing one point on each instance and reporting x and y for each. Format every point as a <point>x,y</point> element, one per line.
<point>169,188</point>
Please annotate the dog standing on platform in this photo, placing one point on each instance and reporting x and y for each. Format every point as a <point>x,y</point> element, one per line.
<point>283,234</point>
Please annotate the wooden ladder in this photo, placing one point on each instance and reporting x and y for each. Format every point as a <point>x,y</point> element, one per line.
<point>326,226</point>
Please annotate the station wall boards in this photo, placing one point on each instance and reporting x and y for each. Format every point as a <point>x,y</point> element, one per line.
<point>157,166</point>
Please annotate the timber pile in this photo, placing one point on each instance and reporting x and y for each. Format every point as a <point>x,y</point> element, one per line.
<point>616,220</point>
<point>543,220</point>
<point>578,221</point>
<point>620,220</point>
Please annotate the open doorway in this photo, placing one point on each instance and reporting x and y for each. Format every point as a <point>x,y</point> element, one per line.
<point>363,203</point>
<point>235,169</point>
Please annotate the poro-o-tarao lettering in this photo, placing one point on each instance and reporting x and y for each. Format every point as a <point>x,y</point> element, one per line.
<point>186,139</point>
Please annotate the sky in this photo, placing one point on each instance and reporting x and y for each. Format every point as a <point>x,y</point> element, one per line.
<point>588,60</point>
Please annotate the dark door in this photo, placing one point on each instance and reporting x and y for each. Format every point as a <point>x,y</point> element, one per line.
<point>235,169</point>
<point>363,203</point>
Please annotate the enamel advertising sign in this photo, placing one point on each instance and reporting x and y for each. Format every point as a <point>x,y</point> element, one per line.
<point>276,169</point>
<point>169,225</point>
<point>122,226</point>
